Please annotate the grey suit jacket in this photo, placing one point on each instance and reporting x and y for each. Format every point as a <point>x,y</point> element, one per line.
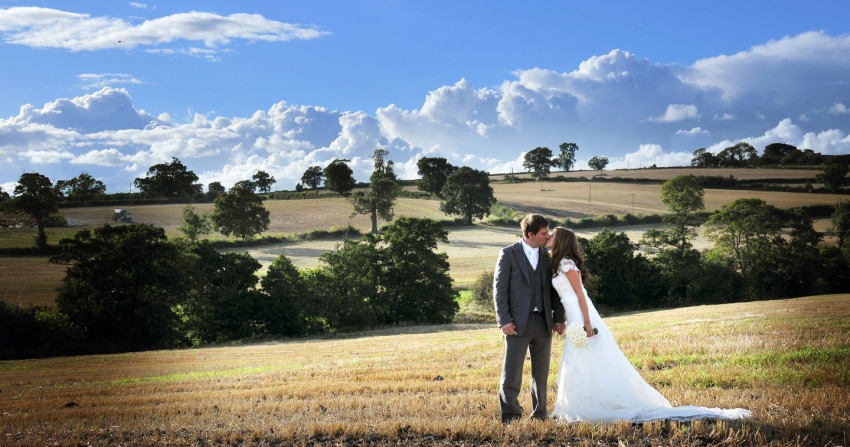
<point>512,292</point>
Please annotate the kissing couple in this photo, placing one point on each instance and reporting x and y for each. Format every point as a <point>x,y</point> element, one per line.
<point>538,294</point>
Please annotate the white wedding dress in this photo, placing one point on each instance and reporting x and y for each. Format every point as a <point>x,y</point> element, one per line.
<point>596,383</point>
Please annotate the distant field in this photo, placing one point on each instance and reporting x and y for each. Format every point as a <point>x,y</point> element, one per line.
<point>471,250</point>
<point>788,361</point>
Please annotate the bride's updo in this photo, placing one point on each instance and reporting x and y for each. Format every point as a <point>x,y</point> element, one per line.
<point>566,245</point>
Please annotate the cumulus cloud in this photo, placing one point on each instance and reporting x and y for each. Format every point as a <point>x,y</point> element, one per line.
<point>52,28</point>
<point>676,113</point>
<point>603,106</point>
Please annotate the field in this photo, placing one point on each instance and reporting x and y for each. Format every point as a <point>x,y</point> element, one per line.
<point>787,361</point>
<point>470,251</point>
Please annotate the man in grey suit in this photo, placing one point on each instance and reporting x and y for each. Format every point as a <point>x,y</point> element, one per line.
<point>527,316</point>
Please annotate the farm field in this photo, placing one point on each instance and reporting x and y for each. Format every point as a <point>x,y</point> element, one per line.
<point>788,361</point>
<point>470,251</point>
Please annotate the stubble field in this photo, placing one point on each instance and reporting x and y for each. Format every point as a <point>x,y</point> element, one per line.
<point>787,361</point>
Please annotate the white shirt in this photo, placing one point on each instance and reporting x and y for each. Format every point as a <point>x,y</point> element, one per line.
<point>532,253</point>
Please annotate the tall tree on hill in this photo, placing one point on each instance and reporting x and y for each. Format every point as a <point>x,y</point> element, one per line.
<point>383,190</point>
<point>467,193</point>
<point>339,177</point>
<point>81,187</point>
<point>263,181</point>
<point>312,177</point>
<point>35,196</point>
<point>169,180</point>
<point>433,173</point>
<point>834,175</point>
<point>567,157</point>
<point>539,162</point>
<point>598,162</point>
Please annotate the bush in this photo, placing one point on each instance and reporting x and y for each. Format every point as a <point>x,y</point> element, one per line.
<point>482,290</point>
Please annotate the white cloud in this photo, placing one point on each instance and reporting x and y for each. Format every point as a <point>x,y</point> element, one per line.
<point>97,81</point>
<point>52,28</point>
<point>602,106</point>
<point>676,113</point>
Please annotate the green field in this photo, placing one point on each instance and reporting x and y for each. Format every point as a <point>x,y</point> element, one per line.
<point>788,361</point>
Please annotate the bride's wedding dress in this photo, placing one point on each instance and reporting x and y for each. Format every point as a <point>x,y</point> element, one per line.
<point>597,383</point>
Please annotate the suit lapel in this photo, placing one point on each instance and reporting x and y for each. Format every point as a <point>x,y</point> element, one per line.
<point>522,261</point>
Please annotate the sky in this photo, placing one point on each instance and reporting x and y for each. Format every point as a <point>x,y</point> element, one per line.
<point>112,88</point>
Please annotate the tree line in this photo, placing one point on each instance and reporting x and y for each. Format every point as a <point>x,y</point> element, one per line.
<point>760,252</point>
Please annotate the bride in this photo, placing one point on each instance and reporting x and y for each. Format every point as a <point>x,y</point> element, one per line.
<point>596,382</point>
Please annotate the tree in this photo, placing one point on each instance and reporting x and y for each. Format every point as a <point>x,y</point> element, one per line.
<point>834,175</point>
<point>35,196</point>
<point>241,213</point>
<point>194,225</point>
<point>383,190</point>
<point>312,177</point>
<point>418,287</point>
<point>684,197</point>
<point>567,157</point>
<point>169,180</point>
<point>539,161</point>
<point>742,229</point>
<point>123,285</point>
<point>216,188</point>
<point>620,278</point>
<point>467,193</point>
<point>433,173</point>
<point>286,308</point>
<point>738,155</point>
<point>224,302</point>
<point>704,159</point>
<point>841,224</point>
<point>338,177</point>
<point>4,196</point>
<point>81,187</point>
<point>775,152</point>
<point>246,184</point>
<point>598,162</point>
<point>263,181</point>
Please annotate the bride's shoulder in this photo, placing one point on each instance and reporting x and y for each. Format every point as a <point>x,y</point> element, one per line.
<point>567,264</point>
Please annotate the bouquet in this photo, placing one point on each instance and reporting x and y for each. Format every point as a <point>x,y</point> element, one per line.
<point>577,335</point>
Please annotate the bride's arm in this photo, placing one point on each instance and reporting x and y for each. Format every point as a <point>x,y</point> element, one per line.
<point>575,280</point>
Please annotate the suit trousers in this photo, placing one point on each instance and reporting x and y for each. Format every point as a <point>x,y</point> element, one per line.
<point>537,341</point>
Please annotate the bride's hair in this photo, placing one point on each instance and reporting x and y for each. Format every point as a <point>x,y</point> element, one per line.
<point>567,246</point>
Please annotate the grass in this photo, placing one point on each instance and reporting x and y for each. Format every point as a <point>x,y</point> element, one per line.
<point>436,385</point>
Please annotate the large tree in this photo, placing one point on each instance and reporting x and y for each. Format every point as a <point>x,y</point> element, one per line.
<point>539,162</point>
<point>704,159</point>
<point>433,173</point>
<point>81,187</point>
<point>834,175</point>
<point>467,193</point>
<point>598,162</point>
<point>312,177</point>
<point>737,155</point>
<point>743,229</point>
<point>224,303</point>
<point>684,197</point>
<point>241,213</point>
<point>567,156</point>
<point>123,285</point>
<point>263,181</point>
<point>286,307</point>
<point>339,177</point>
<point>35,196</point>
<point>384,187</point>
<point>169,180</point>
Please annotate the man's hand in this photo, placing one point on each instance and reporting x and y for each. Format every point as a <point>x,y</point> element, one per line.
<point>509,329</point>
<point>560,328</point>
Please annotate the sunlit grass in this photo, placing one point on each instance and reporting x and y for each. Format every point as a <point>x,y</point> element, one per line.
<point>787,361</point>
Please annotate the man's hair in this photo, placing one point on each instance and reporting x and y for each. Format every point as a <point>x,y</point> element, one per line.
<point>532,223</point>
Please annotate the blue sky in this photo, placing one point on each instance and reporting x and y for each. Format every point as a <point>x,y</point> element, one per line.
<point>230,88</point>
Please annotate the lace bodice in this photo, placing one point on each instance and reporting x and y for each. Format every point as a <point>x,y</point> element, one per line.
<point>566,265</point>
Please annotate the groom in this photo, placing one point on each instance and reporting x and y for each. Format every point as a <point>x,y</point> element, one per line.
<point>527,316</point>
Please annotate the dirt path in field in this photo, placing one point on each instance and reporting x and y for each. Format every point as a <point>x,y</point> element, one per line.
<point>471,250</point>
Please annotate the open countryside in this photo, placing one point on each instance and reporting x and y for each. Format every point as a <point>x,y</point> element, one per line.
<point>471,250</point>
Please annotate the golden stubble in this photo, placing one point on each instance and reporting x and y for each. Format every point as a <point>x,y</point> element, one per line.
<point>787,361</point>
